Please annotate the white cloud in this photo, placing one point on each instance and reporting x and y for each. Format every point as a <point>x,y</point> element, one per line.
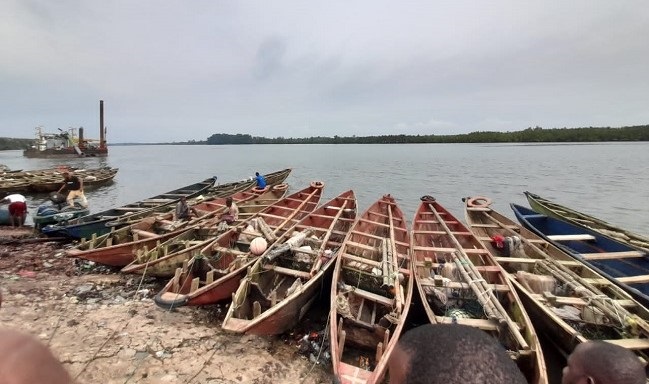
<point>176,70</point>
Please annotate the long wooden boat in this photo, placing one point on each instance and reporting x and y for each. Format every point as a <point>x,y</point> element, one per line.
<point>567,300</point>
<point>102,222</point>
<point>164,258</point>
<point>91,178</point>
<point>459,281</point>
<point>281,286</point>
<point>120,247</point>
<point>214,274</point>
<point>371,293</point>
<point>552,209</point>
<point>619,262</point>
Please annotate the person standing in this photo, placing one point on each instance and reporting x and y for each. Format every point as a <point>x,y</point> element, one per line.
<point>17,209</point>
<point>74,186</point>
<point>261,182</point>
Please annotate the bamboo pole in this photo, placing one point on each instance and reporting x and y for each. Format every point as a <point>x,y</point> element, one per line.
<point>513,328</point>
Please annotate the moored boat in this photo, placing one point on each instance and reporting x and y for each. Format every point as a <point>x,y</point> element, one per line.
<point>567,300</point>
<point>460,282</point>
<point>552,209</point>
<point>91,178</point>
<point>626,266</point>
<point>120,247</point>
<point>163,259</point>
<point>281,286</point>
<point>214,274</point>
<point>371,292</point>
<point>100,223</point>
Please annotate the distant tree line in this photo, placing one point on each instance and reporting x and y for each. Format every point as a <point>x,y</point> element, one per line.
<point>529,135</point>
<point>7,143</point>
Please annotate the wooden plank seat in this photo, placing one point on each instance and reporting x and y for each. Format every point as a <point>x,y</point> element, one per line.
<point>580,302</point>
<point>455,284</point>
<point>535,216</point>
<point>374,263</point>
<point>484,324</point>
<point>143,233</point>
<point>631,343</point>
<point>450,250</point>
<point>288,271</point>
<point>575,237</point>
<point>525,260</point>
<point>639,279</point>
<point>612,255</point>
<point>512,227</point>
<point>369,295</point>
<point>478,209</point>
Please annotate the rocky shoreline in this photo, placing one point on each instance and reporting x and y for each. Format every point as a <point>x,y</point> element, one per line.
<point>104,327</point>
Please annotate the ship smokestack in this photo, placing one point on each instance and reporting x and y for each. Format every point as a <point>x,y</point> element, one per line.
<point>102,139</point>
<point>81,143</point>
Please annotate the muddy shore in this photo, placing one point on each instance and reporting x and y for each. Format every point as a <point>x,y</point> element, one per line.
<point>105,328</point>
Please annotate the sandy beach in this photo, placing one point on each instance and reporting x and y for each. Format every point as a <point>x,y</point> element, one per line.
<point>105,328</point>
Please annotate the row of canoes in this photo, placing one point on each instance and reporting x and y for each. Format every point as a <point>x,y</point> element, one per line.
<point>493,274</point>
<point>50,180</point>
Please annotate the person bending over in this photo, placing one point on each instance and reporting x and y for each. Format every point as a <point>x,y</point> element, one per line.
<point>451,354</point>
<point>599,362</point>
<point>74,186</point>
<point>17,209</point>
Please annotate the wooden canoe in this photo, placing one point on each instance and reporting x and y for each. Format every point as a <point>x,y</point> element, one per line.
<point>552,209</point>
<point>567,300</point>
<point>120,247</point>
<point>100,223</point>
<point>281,286</point>
<point>91,178</point>
<point>371,294</point>
<point>625,265</point>
<point>162,259</point>
<point>214,274</point>
<point>460,281</point>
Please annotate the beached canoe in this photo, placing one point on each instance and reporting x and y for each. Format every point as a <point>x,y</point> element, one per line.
<point>625,265</point>
<point>371,292</point>
<point>162,259</point>
<point>120,247</point>
<point>281,286</point>
<point>214,274</point>
<point>567,300</point>
<point>459,281</point>
<point>100,223</point>
<point>552,209</point>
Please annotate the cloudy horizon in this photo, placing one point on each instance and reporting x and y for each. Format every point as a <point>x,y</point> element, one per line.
<point>178,71</point>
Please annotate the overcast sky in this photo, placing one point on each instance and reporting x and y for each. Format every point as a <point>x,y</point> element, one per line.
<point>182,70</point>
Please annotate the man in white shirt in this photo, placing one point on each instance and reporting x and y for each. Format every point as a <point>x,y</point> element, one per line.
<point>17,209</point>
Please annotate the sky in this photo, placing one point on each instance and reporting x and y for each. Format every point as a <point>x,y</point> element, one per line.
<point>184,70</point>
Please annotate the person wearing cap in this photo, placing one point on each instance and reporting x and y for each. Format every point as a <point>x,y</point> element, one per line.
<point>17,209</point>
<point>74,186</point>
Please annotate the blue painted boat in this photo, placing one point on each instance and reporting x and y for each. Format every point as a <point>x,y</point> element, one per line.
<point>99,223</point>
<point>624,265</point>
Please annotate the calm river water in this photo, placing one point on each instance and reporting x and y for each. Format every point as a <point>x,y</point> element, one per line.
<point>607,180</point>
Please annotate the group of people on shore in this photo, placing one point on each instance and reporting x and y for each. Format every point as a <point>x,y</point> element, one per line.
<point>18,203</point>
<point>429,354</point>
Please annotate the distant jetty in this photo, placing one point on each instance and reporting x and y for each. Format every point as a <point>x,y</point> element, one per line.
<point>67,143</point>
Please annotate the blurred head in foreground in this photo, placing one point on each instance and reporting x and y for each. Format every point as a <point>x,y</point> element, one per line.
<point>599,362</point>
<point>25,360</point>
<point>451,354</point>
